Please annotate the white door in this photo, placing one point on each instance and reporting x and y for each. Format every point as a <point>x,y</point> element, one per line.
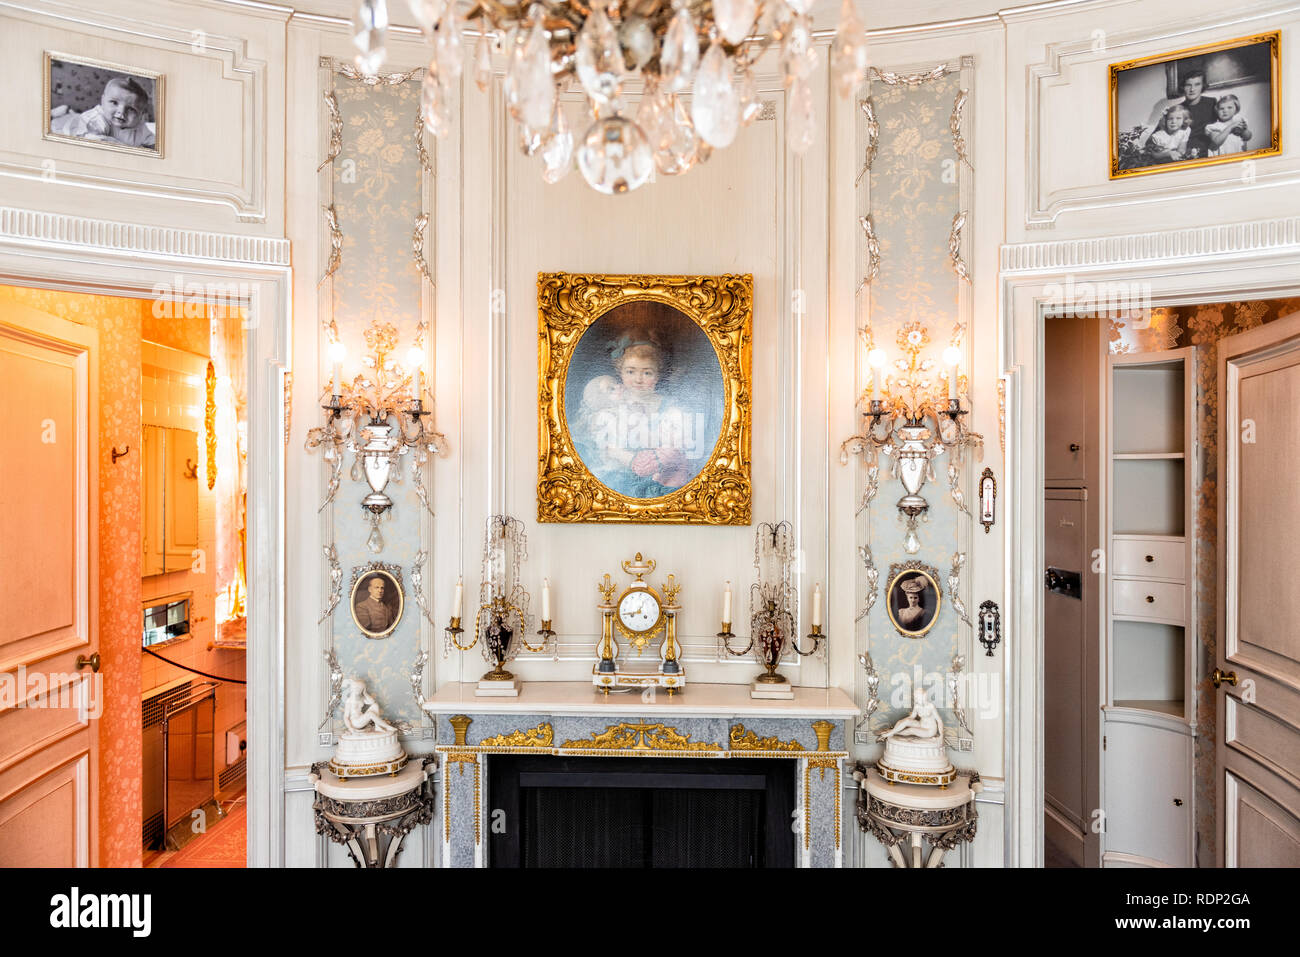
<point>49,491</point>
<point>1258,746</point>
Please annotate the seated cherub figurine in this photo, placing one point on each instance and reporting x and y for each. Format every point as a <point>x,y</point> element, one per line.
<point>360,709</point>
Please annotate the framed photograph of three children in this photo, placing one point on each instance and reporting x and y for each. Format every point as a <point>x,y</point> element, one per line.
<point>1217,103</point>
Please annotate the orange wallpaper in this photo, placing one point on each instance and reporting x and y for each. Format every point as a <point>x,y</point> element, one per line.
<point>118,322</point>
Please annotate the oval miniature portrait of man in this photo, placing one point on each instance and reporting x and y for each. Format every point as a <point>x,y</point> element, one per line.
<point>377,603</point>
<point>643,399</point>
<point>913,602</point>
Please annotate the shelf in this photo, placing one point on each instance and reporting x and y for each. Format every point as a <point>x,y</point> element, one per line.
<point>1147,456</point>
<point>1147,407</point>
<point>1172,708</point>
<point>1148,497</point>
<point>1146,660</point>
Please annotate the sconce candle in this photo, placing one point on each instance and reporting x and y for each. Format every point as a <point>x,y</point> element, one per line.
<point>456,602</point>
<point>817,606</point>
<point>336,354</point>
<point>952,357</point>
<point>546,599</point>
<point>726,603</point>
<point>876,361</point>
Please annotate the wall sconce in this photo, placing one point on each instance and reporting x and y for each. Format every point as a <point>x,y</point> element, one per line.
<point>912,420</point>
<point>379,415</point>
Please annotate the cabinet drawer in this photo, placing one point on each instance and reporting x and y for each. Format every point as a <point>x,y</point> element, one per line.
<point>1149,558</point>
<point>1160,601</point>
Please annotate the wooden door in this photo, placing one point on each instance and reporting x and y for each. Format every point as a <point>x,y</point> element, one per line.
<point>49,490</point>
<point>1257,748</point>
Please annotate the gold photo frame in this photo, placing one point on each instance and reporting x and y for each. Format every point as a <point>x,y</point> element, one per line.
<point>644,398</point>
<point>78,99</point>
<point>913,598</point>
<point>1244,72</point>
<point>377,599</point>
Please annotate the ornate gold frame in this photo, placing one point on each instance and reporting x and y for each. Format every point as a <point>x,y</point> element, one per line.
<point>1274,147</point>
<point>722,306</point>
<point>931,574</point>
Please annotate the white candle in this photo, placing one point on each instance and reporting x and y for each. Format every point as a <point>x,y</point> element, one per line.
<point>726,604</point>
<point>817,606</point>
<point>875,362</point>
<point>460,594</point>
<point>952,356</point>
<point>336,352</point>
<point>546,599</point>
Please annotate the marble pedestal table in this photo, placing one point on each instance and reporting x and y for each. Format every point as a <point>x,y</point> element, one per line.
<point>895,813</point>
<point>370,816</point>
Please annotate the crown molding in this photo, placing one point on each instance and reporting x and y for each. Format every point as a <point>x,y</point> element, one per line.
<point>30,227</point>
<point>1240,240</point>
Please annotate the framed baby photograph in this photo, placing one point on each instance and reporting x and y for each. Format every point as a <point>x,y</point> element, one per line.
<point>103,104</point>
<point>1218,103</point>
<point>644,398</point>
<point>913,597</point>
<point>377,599</point>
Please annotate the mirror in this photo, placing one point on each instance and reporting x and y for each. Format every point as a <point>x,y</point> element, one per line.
<point>166,620</point>
<point>169,530</point>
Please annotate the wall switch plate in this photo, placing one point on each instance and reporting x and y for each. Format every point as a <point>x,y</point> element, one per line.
<point>326,738</point>
<point>862,737</point>
<point>965,744</point>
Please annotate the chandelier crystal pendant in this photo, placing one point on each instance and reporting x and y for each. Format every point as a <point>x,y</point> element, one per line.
<point>704,50</point>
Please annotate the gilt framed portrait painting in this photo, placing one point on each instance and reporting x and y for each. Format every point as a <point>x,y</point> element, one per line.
<point>644,398</point>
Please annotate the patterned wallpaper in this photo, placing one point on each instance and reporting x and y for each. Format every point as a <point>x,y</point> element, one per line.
<point>1202,327</point>
<point>376,195</point>
<point>912,195</point>
<point>118,322</point>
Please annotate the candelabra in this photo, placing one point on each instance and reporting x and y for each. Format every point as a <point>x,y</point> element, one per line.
<point>774,606</point>
<point>380,416</point>
<point>502,612</point>
<point>912,422</point>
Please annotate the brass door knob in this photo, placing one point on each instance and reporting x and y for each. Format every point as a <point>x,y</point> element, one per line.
<point>1074,446</point>
<point>92,661</point>
<point>1178,802</point>
<point>1218,677</point>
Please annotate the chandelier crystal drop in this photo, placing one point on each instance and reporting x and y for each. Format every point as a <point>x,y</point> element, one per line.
<point>642,53</point>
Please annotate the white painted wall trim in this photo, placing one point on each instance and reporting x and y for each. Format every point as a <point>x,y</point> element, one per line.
<point>1205,242</point>
<point>1210,264</point>
<point>39,229</point>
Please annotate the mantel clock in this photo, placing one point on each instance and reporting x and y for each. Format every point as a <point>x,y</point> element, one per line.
<point>641,616</point>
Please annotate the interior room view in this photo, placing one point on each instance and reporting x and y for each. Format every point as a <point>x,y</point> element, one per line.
<point>643,434</point>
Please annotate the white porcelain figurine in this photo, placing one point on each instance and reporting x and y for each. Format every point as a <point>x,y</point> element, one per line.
<point>369,745</point>
<point>914,747</point>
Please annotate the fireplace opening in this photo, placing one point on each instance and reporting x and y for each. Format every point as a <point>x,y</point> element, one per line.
<point>546,811</point>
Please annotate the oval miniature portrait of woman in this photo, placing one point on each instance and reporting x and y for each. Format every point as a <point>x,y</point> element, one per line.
<point>377,603</point>
<point>913,602</point>
<point>644,399</point>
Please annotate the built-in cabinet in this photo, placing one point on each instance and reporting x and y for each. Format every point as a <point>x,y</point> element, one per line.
<point>1150,621</point>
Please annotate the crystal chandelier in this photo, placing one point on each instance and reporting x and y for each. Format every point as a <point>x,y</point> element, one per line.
<point>701,49</point>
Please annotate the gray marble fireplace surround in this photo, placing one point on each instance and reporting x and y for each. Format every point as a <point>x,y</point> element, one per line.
<point>705,721</point>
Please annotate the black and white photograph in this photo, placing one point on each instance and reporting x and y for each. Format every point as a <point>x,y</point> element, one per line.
<point>377,602</point>
<point>103,104</point>
<point>913,600</point>
<point>1210,104</point>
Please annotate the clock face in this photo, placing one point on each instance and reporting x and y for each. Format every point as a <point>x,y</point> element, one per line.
<point>638,610</point>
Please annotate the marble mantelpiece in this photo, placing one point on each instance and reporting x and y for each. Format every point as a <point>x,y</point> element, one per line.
<point>705,721</point>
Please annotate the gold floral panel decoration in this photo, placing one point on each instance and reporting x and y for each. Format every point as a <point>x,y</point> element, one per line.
<point>644,398</point>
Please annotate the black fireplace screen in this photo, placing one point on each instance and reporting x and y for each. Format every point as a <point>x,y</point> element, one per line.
<point>647,812</point>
